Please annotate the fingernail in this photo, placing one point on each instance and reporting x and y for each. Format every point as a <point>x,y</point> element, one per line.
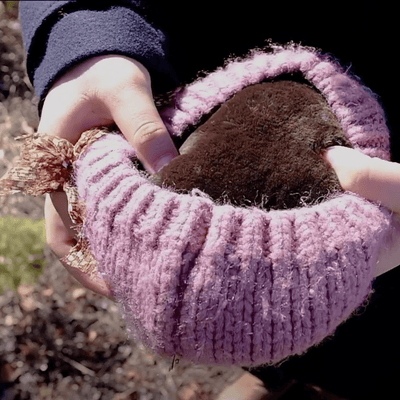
<point>162,162</point>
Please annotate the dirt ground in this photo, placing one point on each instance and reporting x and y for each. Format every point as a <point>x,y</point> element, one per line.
<point>59,340</point>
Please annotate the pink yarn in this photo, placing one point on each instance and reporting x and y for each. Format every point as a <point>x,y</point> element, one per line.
<point>263,285</point>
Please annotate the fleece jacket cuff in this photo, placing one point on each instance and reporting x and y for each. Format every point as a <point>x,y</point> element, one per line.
<point>87,33</point>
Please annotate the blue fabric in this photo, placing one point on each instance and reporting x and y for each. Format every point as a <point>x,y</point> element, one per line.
<point>58,34</point>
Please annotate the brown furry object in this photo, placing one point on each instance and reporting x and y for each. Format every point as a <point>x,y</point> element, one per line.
<point>262,147</point>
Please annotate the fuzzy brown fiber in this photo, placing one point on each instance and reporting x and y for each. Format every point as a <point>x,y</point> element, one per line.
<point>262,147</point>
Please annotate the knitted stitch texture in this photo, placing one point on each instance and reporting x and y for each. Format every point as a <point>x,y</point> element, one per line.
<point>213,283</point>
<point>219,284</point>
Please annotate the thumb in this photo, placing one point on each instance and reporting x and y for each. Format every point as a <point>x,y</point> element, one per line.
<point>139,121</point>
<point>351,167</point>
<point>371,177</point>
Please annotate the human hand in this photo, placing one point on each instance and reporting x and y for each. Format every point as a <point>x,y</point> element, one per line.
<point>61,238</point>
<point>376,180</point>
<point>98,92</point>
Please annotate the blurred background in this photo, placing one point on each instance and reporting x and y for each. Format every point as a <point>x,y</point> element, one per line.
<point>57,339</point>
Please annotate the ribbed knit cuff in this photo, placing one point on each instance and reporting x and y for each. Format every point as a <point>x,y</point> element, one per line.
<point>229,285</point>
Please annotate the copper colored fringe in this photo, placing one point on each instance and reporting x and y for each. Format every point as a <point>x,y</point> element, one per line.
<point>47,165</point>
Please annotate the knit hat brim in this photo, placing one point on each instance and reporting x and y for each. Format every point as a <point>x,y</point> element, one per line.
<point>219,284</point>
<point>229,285</point>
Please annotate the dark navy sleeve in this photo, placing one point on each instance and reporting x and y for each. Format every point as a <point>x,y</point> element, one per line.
<point>59,34</point>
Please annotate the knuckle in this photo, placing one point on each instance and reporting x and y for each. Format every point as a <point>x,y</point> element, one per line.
<point>126,79</point>
<point>148,131</point>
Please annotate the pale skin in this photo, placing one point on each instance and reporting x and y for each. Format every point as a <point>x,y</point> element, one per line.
<point>377,180</point>
<point>101,91</point>
<point>116,89</point>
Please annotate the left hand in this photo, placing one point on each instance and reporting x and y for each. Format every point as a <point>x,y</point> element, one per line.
<point>376,180</point>
<point>101,91</point>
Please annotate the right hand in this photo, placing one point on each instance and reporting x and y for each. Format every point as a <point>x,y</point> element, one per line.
<point>376,180</point>
<point>100,91</point>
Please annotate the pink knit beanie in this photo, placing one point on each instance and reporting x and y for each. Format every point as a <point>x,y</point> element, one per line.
<point>219,284</point>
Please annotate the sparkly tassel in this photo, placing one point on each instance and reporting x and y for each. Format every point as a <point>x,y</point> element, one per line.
<point>46,165</point>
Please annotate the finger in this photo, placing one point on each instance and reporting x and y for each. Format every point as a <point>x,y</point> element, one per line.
<point>96,285</point>
<point>70,106</point>
<point>371,177</point>
<point>351,167</point>
<point>67,116</point>
<point>61,242</point>
<point>58,237</point>
<point>383,183</point>
<point>60,203</point>
<point>139,121</point>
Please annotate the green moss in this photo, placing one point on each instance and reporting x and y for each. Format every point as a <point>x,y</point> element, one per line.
<point>11,6</point>
<point>22,244</point>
